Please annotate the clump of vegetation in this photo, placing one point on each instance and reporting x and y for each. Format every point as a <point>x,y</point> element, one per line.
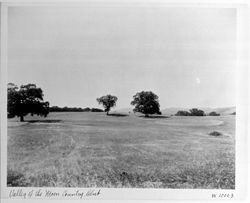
<point>191,112</point>
<point>73,109</point>
<point>215,133</point>
<point>146,102</point>
<point>96,110</point>
<point>68,109</point>
<point>108,102</point>
<point>213,113</point>
<point>196,112</point>
<point>183,113</point>
<point>16,179</point>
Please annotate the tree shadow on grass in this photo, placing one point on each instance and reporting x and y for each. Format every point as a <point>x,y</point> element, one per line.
<point>155,116</point>
<point>117,114</point>
<point>43,121</point>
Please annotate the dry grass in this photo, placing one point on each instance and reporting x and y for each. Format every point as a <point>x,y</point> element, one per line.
<point>94,150</point>
<point>206,176</point>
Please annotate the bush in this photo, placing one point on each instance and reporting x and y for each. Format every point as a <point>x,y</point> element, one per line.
<point>215,133</point>
<point>86,109</point>
<point>213,113</point>
<point>68,109</point>
<point>182,113</point>
<point>193,112</point>
<point>96,110</point>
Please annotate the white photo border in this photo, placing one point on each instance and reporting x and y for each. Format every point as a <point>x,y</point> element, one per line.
<point>242,100</point>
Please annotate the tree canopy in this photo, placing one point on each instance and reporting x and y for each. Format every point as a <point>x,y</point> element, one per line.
<point>24,100</point>
<point>107,101</point>
<point>146,102</point>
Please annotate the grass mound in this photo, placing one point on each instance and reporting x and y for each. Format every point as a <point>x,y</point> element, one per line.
<point>215,133</point>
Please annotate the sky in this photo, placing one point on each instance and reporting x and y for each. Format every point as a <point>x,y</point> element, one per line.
<point>185,55</point>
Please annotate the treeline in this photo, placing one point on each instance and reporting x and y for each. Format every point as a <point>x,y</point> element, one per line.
<point>73,109</point>
<point>28,99</point>
<point>196,112</point>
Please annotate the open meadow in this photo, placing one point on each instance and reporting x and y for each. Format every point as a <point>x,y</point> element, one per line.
<point>85,149</point>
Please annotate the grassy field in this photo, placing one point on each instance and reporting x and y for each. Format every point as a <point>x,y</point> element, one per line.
<point>94,150</point>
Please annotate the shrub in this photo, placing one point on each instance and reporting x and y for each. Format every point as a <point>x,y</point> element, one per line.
<point>96,110</point>
<point>182,113</point>
<point>215,133</point>
<point>213,113</point>
<point>86,109</point>
<point>193,112</point>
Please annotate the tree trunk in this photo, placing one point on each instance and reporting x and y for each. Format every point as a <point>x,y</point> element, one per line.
<point>107,113</point>
<point>21,118</point>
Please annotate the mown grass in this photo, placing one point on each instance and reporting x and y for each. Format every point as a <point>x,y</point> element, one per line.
<point>93,150</point>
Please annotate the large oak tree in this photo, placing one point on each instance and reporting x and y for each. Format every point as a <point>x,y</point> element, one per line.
<point>146,102</point>
<point>24,100</point>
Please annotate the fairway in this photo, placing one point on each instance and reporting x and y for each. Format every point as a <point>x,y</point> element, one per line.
<point>85,149</point>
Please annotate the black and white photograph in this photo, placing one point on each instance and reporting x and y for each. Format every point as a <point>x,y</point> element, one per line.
<point>120,96</point>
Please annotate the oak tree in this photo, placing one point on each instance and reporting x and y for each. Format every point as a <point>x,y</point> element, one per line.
<point>146,102</point>
<point>24,100</point>
<point>108,102</point>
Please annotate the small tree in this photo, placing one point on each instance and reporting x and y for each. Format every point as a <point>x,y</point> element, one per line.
<point>196,112</point>
<point>24,100</point>
<point>146,102</point>
<point>108,102</point>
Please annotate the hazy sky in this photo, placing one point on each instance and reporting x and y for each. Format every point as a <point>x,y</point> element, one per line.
<point>187,56</point>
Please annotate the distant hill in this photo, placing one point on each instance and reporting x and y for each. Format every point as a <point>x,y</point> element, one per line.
<point>226,110</point>
<point>124,110</point>
<point>174,110</point>
<point>221,111</point>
